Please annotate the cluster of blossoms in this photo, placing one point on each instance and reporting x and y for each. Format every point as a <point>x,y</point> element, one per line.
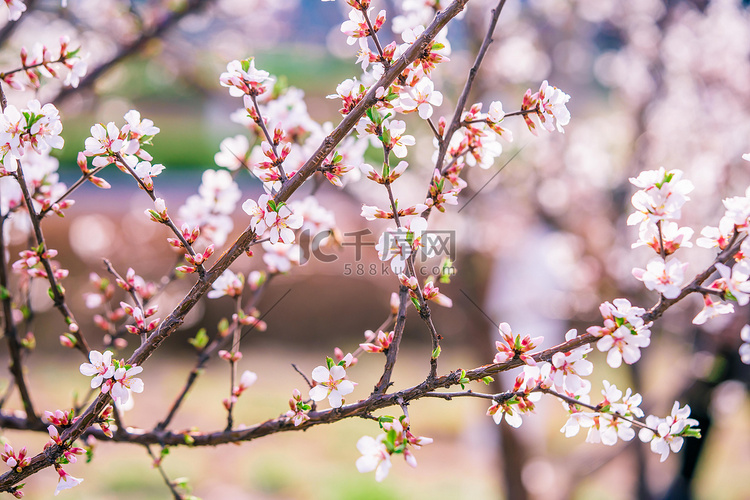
<point>43,61</point>
<point>139,316</point>
<point>104,292</point>
<point>398,244</point>
<point>546,107</point>
<point>520,399</point>
<point>612,420</point>
<point>624,332</point>
<point>278,219</point>
<point>428,292</point>
<point>115,377</point>
<point>34,128</point>
<point>477,141</point>
<point>66,481</point>
<point>668,433</point>
<point>278,153</point>
<point>124,147</point>
<point>30,264</point>
<point>298,409</point>
<point>660,198</point>
<point>732,284</point>
<point>515,346</point>
<point>564,374</point>
<point>658,202</point>
<point>306,215</point>
<point>395,440</point>
<point>615,416</point>
<point>208,213</point>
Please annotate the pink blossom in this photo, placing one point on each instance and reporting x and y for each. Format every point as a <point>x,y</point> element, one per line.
<point>735,283</point>
<point>281,223</point>
<point>243,78</point>
<point>672,236</point>
<point>666,278</point>
<point>66,481</point>
<point>257,212</point>
<point>103,140</point>
<point>661,195</point>
<point>738,211</point>
<point>569,367</point>
<point>375,456</point>
<point>716,237</point>
<point>233,152</point>
<point>15,9</point>
<point>124,382</point>
<point>712,308</point>
<point>399,140</point>
<point>515,345</point>
<point>422,97</point>
<point>668,433</point>
<point>331,384</point>
<point>227,284</point>
<point>101,367</point>
<point>623,344</point>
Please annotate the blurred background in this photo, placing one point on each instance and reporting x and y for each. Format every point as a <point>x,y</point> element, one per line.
<point>541,244</point>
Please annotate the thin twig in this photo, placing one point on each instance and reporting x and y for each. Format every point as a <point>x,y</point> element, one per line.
<point>57,295</point>
<point>157,463</point>
<point>170,324</point>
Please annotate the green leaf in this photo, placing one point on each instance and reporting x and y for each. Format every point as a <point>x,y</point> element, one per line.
<point>4,293</point>
<point>488,380</point>
<point>223,325</point>
<point>416,303</point>
<point>436,352</point>
<point>329,362</point>
<point>200,340</point>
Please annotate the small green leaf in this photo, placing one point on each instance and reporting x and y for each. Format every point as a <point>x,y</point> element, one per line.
<point>200,340</point>
<point>384,419</point>
<point>436,352</point>
<point>416,303</point>
<point>488,380</point>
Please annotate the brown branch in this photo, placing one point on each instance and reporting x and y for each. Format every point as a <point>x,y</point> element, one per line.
<point>391,354</point>
<point>177,316</point>
<point>57,296</point>
<point>71,189</point>
<point>11,332</point>
<point>168,222</point>
<point>461,104</point>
